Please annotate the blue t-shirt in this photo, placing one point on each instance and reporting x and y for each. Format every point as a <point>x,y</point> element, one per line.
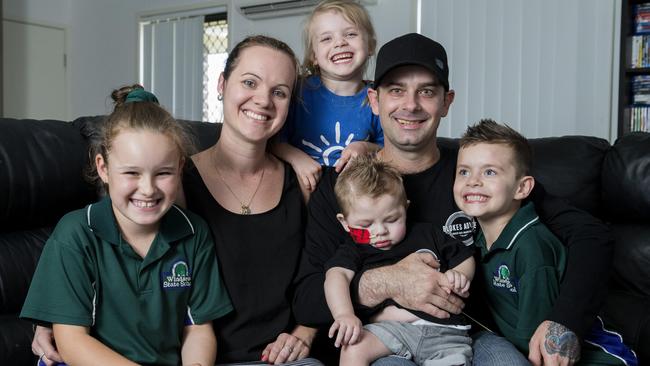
<point>322,123</point>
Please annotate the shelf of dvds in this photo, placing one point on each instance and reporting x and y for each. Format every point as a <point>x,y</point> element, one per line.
<point>634,85</point>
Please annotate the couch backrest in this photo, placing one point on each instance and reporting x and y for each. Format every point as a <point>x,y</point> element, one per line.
<point>41,172</point>
<point>570,167</point>
<point>567,167</point>
<point>626,179</point>
<point>626,194</point>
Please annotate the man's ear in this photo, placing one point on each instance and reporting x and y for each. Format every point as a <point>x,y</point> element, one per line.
<point>102,167</point>
<point>524,187</point>
<point>373,99</point>
<point>449,98</point>
<point>344,223</point>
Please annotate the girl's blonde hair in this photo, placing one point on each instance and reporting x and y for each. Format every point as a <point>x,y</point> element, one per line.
<point>353,13</point>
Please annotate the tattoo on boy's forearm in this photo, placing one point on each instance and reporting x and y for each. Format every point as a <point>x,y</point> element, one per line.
<point>561,340</point>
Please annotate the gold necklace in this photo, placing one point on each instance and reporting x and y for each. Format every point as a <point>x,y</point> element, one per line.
<point>245,208</point>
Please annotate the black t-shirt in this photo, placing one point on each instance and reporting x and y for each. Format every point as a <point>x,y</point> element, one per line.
<point>431,194</point>
<point>258,255</point>
<point>420,236</point>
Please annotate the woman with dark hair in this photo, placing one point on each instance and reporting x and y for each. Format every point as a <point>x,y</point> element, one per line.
<point>254,207</point>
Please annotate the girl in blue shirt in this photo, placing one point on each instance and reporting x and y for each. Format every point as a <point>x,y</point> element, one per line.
<point>331,121</point>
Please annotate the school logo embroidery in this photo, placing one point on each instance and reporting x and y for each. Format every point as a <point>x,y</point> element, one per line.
<point>460,226</point>
<point>178,277</point>
<point>503,280</point>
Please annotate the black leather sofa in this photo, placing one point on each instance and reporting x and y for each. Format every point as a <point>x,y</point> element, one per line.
<point>41,178</point>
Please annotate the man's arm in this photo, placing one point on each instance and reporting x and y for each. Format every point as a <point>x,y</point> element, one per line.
<point>590,249</point>
<point>322,238</point>
<point>412,282</point>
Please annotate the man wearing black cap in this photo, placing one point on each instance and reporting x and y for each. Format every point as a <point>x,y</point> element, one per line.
<point>411,94</point>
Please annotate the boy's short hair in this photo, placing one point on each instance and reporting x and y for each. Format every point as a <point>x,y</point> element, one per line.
<point>366,175</point>
<point>489,132</point>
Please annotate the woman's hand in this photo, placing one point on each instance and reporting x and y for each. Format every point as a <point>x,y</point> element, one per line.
<point>289,347</point>
<point>43,346</point>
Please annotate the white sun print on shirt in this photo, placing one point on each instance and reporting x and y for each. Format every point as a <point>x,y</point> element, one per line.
<point>328,149</point>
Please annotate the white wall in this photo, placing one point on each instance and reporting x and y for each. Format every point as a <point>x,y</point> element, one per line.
<point>102,37</point>
<point>102,43</point>
<point>544,67</point>
<point>102,53</point>
<point>48,12</point>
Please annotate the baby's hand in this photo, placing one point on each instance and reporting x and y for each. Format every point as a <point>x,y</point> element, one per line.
<point>457,283</point>
<point>349,329</point>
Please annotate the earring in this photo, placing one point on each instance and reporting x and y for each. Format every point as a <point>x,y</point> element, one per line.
<point>220,97</point>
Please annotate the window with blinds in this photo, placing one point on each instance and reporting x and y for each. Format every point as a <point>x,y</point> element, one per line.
<point>180,58</point>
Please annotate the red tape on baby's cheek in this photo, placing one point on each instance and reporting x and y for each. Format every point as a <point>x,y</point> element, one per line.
<point>360,236</point>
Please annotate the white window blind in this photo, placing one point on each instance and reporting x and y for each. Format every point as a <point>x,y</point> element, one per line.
<point>171,60</point>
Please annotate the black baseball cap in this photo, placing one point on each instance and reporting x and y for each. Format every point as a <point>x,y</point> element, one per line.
<point>412,49</point>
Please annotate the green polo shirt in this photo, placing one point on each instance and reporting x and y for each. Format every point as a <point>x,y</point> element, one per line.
<point>521,275</point>
<point>89,276</point>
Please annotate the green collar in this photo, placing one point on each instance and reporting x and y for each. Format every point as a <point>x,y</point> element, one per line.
<point>174,226</point>
<point>523,219</point>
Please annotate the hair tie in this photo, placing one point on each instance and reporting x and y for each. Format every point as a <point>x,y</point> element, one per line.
<point>140,95</point>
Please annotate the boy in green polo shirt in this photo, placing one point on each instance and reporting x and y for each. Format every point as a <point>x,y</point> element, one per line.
<point>132,278</point>
<point>521,262</point>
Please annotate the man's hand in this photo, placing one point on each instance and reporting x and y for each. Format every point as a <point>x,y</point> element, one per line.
<point>43,346</point>
<point>414,283</point>
<point>353,150</point>
<point>553,344</point>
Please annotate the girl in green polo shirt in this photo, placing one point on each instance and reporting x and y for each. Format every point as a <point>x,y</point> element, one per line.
<point>132,278</point>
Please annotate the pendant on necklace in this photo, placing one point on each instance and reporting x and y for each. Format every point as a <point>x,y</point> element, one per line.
<point>245,210</point>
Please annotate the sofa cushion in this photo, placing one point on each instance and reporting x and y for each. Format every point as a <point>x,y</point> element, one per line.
<point>626,179</point>
<point>569,167</point>
<point>41,172</point>
<point>19,253</point>
<point>15,341</point>
<point>632,257</point>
